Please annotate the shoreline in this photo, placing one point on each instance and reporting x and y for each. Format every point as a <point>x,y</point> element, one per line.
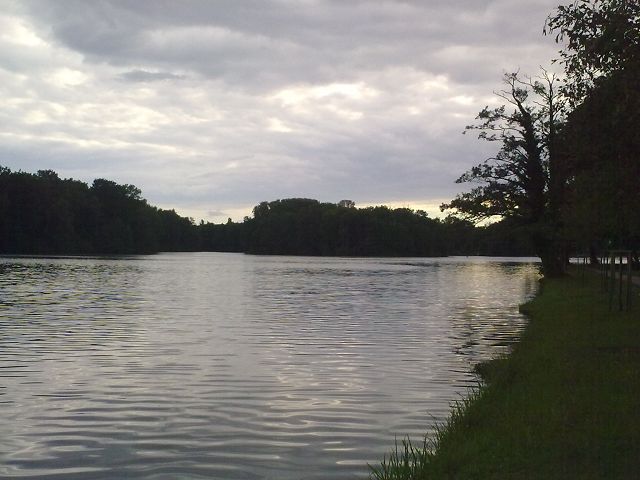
<point>562,404</point>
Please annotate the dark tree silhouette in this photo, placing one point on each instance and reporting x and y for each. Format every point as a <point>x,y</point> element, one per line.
<point>524,182</point>
<point>602,37</point>
<point>602,146</point>
<point>43,214</point>
<point>601,142</point>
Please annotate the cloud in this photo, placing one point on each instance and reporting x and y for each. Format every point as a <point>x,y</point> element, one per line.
<point>226,104</point>
<point>217,213</point>
<point>277,43</point>
<point>145,76</point>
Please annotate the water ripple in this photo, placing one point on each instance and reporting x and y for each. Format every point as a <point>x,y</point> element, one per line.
<point>225,366</point>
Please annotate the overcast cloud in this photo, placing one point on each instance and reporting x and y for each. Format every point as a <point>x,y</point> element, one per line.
<point>213,106</point>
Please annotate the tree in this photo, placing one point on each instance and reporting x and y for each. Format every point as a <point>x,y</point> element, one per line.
<point>602,146</point>
<point>603,36</point>
<point>524,182</point>
<point>347,204</point>
<point>601,139</point>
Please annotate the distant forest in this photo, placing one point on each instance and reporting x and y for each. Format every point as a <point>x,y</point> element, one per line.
<point>42,214</point>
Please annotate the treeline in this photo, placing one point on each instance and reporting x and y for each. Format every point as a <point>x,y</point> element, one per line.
<point>43,214</point>
<point>300,226</point>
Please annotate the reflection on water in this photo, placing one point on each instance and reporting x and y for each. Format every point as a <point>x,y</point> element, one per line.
<point>238,367</point>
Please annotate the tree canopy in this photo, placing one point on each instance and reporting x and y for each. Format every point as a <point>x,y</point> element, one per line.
<point>44,214</point>
<point>601,37</point>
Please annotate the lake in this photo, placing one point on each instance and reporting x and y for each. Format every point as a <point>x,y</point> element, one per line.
<point>230,366</point>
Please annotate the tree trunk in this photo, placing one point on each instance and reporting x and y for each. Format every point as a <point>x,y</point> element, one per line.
<point>553,265</point>
<point>551,253</point>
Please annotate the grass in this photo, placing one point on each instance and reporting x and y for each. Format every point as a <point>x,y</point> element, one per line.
<point>405,461</point>
<point>564,404</point>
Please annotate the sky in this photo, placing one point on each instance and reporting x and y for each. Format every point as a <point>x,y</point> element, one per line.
<point>210,107</point>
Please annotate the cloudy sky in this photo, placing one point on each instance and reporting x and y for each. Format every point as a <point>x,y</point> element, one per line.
<point>213,106</point>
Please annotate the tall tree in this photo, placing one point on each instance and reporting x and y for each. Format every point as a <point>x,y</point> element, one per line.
<point>602,137</point>
<point>524,182</point>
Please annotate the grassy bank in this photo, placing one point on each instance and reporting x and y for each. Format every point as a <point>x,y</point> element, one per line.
<point>564,404</point>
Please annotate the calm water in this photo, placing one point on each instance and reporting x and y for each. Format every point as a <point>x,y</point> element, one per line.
<point>224,366</point>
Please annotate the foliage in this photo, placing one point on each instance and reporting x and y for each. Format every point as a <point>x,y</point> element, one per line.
<point>602,142</point>
<point>43,214</point>
<point>602,37</point>
<point>403,463</point>
<point>298,226</point>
